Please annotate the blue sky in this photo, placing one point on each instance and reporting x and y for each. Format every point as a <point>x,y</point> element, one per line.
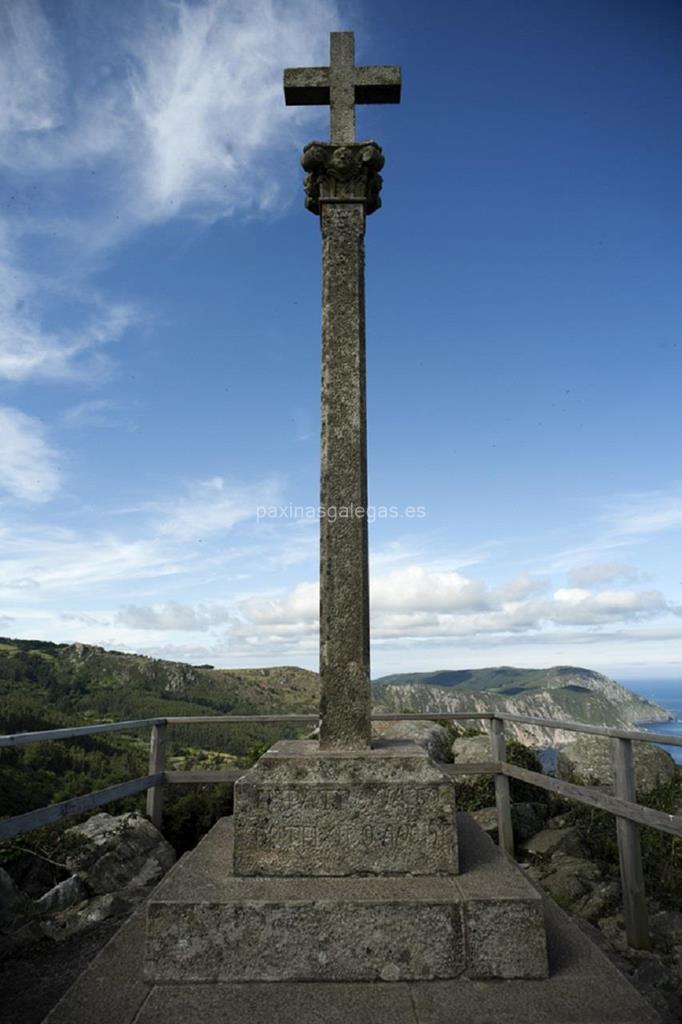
<point>159,331</point>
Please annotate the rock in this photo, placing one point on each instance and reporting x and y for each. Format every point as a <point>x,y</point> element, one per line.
<point>613,927</point>
<point>111,853</point>
<point>553,840</point>
<point>434,738</point>
<point>527,819</point>
<point>486,819</point>
<point>589,759</point>
<point>603,899</point>
<point>469,749</point>
<point>85,915</point>
<point>69,892</point>
<point>569,879</point>
<point>666,926</point>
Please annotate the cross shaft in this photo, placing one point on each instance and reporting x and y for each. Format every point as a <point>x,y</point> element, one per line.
<point>342,187</point>
<point>342,85</point>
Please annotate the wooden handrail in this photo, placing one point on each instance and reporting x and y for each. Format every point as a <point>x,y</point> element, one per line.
<point>628,813</point>
<point>75,805</point>
<point>19,739</point>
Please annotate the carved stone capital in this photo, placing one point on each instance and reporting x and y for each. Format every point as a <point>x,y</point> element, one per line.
<point>342,174</point>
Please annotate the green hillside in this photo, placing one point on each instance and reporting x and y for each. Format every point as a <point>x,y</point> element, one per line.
<point>503,680</point>
<point>86,683</point>
<point>50,686</point>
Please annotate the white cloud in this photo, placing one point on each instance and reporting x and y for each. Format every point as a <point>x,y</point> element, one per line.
<point>298,608</point>
<point>29,466</point>
<point>415,603</point>
<point>207,95</point>
<point>416,589</point>
<point>173,616</point>
<point>137,114</point>
<point>602,572</point>
<point>212,506</point>
<point>31,74</point>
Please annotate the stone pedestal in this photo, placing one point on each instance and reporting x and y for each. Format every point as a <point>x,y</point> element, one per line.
<point>205,924</point>
<point>345,866</point>
<point>305,812</point>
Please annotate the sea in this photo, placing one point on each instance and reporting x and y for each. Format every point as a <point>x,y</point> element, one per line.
<point>667,693</point>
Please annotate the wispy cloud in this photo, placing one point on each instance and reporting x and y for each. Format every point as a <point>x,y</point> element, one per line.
<point>137,114</point>
<point>31,72</point>
<point>29,468</point>
<point>97,412</point>
<point>31,349</point>
<point>212,506</point>
<point>646,513</point>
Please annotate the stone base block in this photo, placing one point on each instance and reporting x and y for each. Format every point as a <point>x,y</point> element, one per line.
<point>305,812</point>
<point>205,924</point>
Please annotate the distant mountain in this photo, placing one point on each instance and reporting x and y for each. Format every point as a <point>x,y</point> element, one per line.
<point>564,692</point>
<point>44,685</point>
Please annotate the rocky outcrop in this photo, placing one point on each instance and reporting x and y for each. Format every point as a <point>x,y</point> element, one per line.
<point>562,693</point>
<point>471,749</point>
<point>114,862</point>
<point>560,864</point>
<point>114,853</point>
<point>66,894</point>
<point>588,759</point>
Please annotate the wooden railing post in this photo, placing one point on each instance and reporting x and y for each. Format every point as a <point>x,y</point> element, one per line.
<point>630,849</point>
<point>157,763</point>
<point>498,748</point>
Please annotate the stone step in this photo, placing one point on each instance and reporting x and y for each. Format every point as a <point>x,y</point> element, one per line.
<point>206,924</point>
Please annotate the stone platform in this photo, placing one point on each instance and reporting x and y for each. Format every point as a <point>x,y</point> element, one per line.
<point>583,987</point>
<point>304,812</point>
<point>206,924</point>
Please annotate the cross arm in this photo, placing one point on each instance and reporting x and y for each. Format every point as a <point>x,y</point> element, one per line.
<point>306,86</point>
<point>378,84</point>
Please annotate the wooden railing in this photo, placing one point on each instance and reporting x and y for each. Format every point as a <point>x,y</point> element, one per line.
<point>629,814</point>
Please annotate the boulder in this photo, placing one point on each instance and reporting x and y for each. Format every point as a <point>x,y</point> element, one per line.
<point>527,819</point>
<point>470,749</point>
<point>67,893</point>
<point>570,879</point>
<point>589,759</point>
<point>603,898</point>
<point>433,737</point>
<point>86,915</point>
<point>112,853</point>
<point>553,840</point>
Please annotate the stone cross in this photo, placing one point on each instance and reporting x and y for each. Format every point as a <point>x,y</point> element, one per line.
<point>341,85</point>
<point>342,187</point>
